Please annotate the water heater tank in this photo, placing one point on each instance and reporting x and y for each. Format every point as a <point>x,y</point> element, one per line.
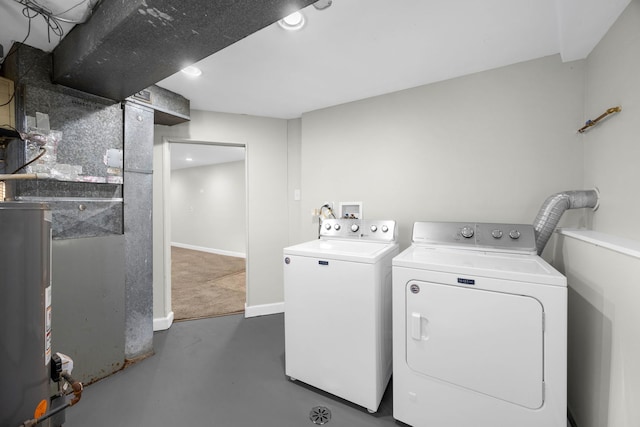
<point>25,311</point>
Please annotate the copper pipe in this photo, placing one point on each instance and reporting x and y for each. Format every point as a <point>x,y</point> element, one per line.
<point>593,122</point>
<point>76,386</point>
<point>17,176</point>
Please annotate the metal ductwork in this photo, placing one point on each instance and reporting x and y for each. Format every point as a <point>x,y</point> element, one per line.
<point>127,46</point>
<point>552,209</point>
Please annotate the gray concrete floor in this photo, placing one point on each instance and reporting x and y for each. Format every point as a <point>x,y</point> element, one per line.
<point>223,371</point>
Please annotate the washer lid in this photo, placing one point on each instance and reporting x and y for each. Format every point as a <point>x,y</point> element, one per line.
<point>346,250</point>
<point>524,268</point>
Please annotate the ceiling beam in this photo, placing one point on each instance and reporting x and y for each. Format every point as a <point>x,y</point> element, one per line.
<point>130,45</point>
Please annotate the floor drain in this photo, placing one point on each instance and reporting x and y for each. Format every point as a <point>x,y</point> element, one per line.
<point>320,415</point>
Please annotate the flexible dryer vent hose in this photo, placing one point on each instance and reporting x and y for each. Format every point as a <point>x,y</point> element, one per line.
<point>552,209</point>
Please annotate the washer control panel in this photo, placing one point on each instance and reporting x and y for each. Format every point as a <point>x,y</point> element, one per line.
<point>477,236</point>
<point>363,229</point>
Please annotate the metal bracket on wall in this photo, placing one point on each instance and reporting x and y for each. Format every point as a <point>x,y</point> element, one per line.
<point>595,121</point>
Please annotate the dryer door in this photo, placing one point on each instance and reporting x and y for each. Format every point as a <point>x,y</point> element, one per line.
<point>485,341</point>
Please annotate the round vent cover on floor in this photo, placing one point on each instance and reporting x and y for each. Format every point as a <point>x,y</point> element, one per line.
<point>320,415</point>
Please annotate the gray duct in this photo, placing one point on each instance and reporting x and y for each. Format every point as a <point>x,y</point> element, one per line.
<point>552,209</point>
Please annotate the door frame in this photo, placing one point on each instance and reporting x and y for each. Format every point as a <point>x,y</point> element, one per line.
<point>166,212</point>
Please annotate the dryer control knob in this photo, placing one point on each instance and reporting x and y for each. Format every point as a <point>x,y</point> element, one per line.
<point>374,228</point>
<point>327,226</point>
<point>496,233</point>
<point>355,227</point>
<point>467,232</point>
<point>337,227</point>
<point>514,234</point>
<point>385,228</point>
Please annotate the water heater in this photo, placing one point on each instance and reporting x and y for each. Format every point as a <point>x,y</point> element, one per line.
<point>25,312</point>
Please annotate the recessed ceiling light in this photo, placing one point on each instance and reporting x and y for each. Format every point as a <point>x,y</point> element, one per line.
<point>189,159</point>
<point>293,22</point>
<point>192,71</point>
<point>322,4</point>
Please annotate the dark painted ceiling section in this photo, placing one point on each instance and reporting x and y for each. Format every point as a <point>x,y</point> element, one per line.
<point>130,45</point>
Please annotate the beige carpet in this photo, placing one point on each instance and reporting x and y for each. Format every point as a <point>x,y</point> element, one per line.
<point>205,284</point>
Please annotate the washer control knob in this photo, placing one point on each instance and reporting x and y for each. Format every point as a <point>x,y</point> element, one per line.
<point>496,233</point>
<point>384,228</point>
<point>355,227</point>
<point>337,227</point>
<point>467,232</point>
<point>374,228</point>
<point>514,234</point>
<point>327,226</point>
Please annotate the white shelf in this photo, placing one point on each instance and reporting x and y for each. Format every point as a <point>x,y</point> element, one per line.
<point>618,244</point>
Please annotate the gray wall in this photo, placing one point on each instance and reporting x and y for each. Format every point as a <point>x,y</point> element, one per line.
<point>294,139</point>
<point>612,148</point>
<point>435,152</point>
<point>266,145</point>
<point>604,350</point>
<point>208,206</point>
<point>486,147</point>
<point>88,304</point>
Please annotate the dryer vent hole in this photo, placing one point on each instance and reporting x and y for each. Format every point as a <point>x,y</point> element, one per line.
<point>320,415</point>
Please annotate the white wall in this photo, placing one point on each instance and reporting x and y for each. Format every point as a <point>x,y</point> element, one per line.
<point>612,148</point>
<point>486,147</point>
<point>208,206</point>
<point>436,152</point>
<point>266,144</point>
<point>604,345</point>
<point>294,142</point>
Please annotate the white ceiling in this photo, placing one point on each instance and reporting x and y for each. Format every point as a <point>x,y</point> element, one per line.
<point>356,49</point>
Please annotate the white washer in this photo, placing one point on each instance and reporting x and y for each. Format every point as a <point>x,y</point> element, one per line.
<point>337,294</point>
<point>479,329</point>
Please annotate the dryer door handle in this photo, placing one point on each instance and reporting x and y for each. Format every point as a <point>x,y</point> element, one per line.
<point>416,326</point>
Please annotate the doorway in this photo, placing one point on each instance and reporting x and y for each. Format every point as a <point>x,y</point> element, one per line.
<point>206,210</point>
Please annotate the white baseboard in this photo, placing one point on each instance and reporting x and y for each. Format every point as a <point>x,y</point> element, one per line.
<point>209,250</point>
<point>263,309</point>
<point>163,323</point>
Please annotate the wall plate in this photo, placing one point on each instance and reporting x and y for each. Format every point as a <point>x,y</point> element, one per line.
<point>351,210</point>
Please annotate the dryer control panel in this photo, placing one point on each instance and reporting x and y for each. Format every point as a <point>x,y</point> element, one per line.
<point>519,238</point>
<point>362,229</point>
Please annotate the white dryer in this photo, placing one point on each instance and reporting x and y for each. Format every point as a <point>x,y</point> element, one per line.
<point>337,295</point>
<point>479,329</point>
